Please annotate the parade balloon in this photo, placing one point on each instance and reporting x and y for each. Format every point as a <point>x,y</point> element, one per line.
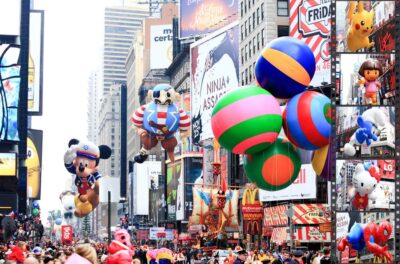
<point>58,221</point>
<point>307,120</point>
<point>274,168</point>
<point>35,212</point>
<point>35,204</point>
<point>246,120</point>
<point>285,67</point>
<point>321,161</point>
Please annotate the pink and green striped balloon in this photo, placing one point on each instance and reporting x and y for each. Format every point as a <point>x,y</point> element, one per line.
<point>246,120</point>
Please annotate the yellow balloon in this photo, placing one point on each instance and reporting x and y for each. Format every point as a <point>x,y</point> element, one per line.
<point>33,165</point>
<point>319,159</point>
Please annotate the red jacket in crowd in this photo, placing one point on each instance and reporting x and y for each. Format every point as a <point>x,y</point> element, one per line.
<point>17,255</point>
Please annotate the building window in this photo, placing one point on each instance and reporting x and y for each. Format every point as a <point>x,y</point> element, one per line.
<point>241,32</point>
<point>254,45</point>
<point>241,9</point>
<point>258,41</point>
<point>249,25</point>
<point>283,8</point>
<point>247,74</point>
<point>254,19</point>
<point>245,29</point>
<point>245,53</point>
<point>241,53</point>
<point>262,36</point>
<point>245,6</point>
<point>249,48</point>
<point>283,31</point>
<point>262,12</point>
<point>251,73</point>
<point>258,16</point>
<point>242,78</point>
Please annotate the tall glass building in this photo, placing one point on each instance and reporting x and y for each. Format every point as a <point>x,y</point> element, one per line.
<point>120,24</point>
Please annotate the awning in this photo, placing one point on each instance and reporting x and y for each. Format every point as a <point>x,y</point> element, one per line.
<point>279,235</point>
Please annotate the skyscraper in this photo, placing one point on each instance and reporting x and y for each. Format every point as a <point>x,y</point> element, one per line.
<point>93,106</point>
<point>120,25</point>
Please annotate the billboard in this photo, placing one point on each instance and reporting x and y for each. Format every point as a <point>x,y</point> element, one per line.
<point>387,168</point>
<point>214,71</point>
<point>310,21</point>
<point>342,224</point>
<point>34,162</point>
<point>173,176</point>
<point>193,167</point>
<point>144,175</point>
<point>10,17</point>
<point>310,234</point>
<point>305,214</point>
<point>204,17</point>
<point>9,91</point>
<point>304,187</point>
<point>275,216</point>
<point>8,164</point>
<point>160,46</point>
<point>35,63</point>
<point>154,232</point>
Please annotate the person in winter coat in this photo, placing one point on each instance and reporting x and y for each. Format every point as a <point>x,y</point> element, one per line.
<point>17,253</point>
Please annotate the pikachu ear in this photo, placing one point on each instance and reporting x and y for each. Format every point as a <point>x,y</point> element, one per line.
<point>360,6</point>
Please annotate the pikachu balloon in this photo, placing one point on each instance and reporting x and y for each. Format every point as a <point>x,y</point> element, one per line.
<point>33,165</point>
<point>361,26</point>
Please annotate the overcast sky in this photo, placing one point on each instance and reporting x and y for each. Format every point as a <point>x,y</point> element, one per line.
<point>72,49</point>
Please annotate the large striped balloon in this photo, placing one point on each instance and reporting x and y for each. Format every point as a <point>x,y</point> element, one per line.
<point>274,168</point>
<point>307,120</point>
<point>246,120</point>
<point>286,67</point>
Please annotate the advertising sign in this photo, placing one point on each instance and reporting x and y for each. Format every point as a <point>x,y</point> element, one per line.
<point>193,171</point>
<point>8,164</point>
<point>214,71</point>
<point>342,224</point>
<point>310,21</point>
<point>35,66</point>
<point>275,216</point>
<point>304,187</point>
<point>305,214</point>
<point>252,212</point>
<point>199,17</point>
<point>10,17</point>
<point>66,234</point>
<point>387,168</point>
<point>180,196</point>
<point>34,162</point>
<point>9,86</point>
<point>160,46</point>
<point>311,234</point>
<point>154,232</point>
<point>173,175</point>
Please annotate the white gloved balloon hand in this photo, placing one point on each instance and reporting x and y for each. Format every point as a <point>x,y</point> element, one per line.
<point>70,154</point>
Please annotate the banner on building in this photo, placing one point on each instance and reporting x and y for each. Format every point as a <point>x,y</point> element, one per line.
<point>66,234</point>
<point>309,234</point>
<point>156,233</point>
<point>304,187</point>
<point>203,17</point>
<point>275,216</point>
<point>310,21</point>
<point>34,162</point>
<point>173,175</point>
<point>214,71</point>
<point>160,46</point>
<point>306,214</point>
<point>193,173</point>
<point>35,63</point>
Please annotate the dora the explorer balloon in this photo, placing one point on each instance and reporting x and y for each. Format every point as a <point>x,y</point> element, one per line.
<point>361,26</point>
<point>159,120</point>
<point>370,70</point>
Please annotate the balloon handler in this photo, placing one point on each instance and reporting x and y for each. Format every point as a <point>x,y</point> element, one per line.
<point>159,120</point>
<point>81,159</point>
<point>370,235</point>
